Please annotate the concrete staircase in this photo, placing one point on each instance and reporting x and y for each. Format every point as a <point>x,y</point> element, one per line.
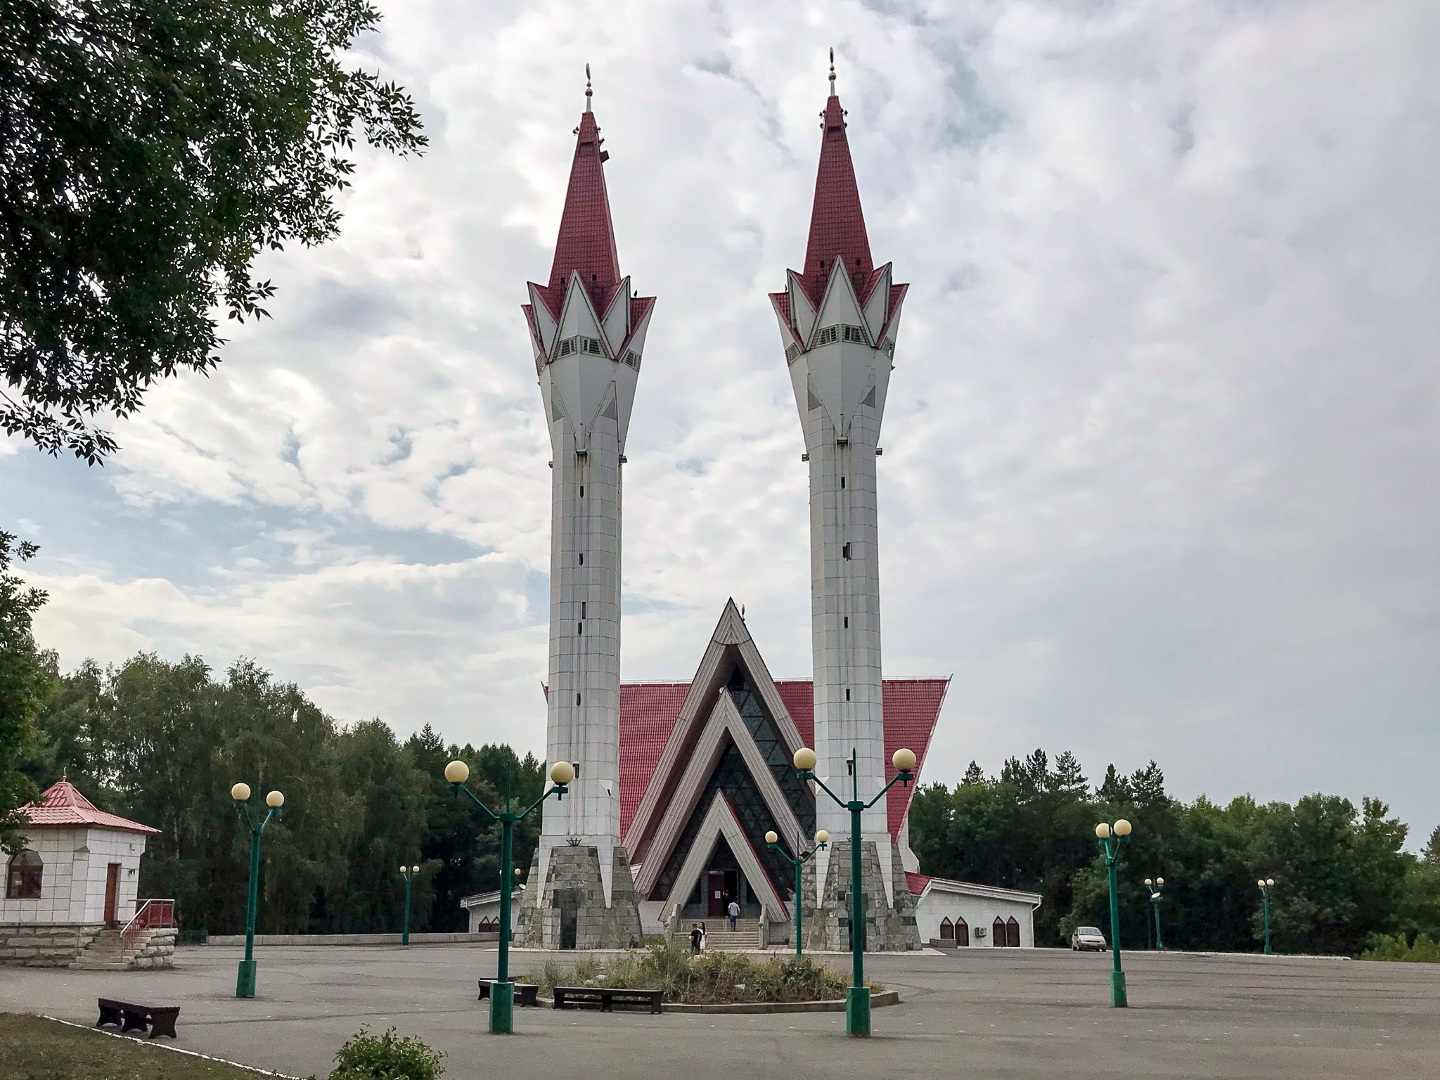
<point>104,953</point>
<point>719,937</point>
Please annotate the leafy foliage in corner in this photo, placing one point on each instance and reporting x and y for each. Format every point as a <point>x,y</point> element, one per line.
<point>386,1057</point>
<point>148,152</point>
<point>24,680</point>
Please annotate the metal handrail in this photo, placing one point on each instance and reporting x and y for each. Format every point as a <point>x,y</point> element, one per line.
<point>150,915</point>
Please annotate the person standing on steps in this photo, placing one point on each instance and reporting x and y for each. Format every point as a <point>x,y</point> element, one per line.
<point>734,912</point>
<point>695,938</point>
<point>702,937</point>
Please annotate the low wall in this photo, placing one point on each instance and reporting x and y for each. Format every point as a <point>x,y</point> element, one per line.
<point>45,944</point>
<point>353,939</point>
<point>153,949</point>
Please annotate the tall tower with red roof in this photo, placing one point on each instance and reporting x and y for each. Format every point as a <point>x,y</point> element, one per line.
<point>587,331</point>
<point>838,323</point>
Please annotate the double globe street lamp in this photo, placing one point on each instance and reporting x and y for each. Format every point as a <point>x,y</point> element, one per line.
<point>245,978</point>
<point>1266,884</point>
<point>857,997</point>
<point>772,841</point>
<point>1111,838</point>
<point>502,990</point>
<point>1153,884</point>
<point>408,873</point>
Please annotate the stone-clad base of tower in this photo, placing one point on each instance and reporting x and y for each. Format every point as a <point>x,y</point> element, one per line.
<point>888,928</point>
<point>574,897</point>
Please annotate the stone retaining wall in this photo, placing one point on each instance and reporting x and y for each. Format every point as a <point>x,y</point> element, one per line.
<point>45,944</point>
<point>153,949</point>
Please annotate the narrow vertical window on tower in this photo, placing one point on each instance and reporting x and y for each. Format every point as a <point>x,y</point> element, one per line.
<point>845,551</point>
<point>582,558</point>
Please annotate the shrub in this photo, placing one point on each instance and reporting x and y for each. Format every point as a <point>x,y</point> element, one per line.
<point>714,978</point>
<point>1395,947</point>
<point>386,1057</point>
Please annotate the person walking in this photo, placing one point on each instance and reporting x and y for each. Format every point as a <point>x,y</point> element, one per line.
<point>702,937</point>
<point>734,912</point>
<point>695,937</point>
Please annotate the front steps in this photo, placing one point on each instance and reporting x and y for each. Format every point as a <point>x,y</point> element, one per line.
<point>719,937</point>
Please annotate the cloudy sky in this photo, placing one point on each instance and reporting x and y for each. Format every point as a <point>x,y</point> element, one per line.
<point>1162,460</point>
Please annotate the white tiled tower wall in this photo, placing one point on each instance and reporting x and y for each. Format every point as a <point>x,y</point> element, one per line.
<point>845,599</point>
<point>584,702</point>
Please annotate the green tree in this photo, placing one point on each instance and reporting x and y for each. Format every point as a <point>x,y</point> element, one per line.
<point>24,682</point>
<point>148,152</point>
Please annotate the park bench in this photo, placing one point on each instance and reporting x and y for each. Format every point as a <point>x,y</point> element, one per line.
<point>128,1016</point>
<point>524,992</point>
<point>606,996</point>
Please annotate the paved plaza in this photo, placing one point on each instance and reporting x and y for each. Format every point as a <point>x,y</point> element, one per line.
<point>974,1014</point>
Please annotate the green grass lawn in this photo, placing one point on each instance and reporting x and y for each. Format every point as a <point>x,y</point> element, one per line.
<point>36,1049</point>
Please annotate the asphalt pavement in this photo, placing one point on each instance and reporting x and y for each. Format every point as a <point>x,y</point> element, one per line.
<point>981,1013</point>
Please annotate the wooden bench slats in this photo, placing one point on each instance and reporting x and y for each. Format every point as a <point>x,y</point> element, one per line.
<point>607,996</point>
<point>131,1016</point>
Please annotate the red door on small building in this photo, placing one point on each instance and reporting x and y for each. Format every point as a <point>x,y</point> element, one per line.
<point>112,892</point>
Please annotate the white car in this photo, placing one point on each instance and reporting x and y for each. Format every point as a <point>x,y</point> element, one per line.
<point>1088,937</point>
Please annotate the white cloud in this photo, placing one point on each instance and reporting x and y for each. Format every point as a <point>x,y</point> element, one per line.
<point>1161,440</point>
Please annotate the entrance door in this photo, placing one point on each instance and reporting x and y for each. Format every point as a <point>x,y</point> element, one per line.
<point>112,892</point>
<point>568,901</point>
<point>715,893</point>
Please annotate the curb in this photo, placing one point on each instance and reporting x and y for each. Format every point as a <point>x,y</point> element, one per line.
<point>877,1001</point>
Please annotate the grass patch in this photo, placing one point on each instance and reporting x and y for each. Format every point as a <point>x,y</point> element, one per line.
<point>1395,947</point>
<point>33,1048</point>
<point>708,979</point>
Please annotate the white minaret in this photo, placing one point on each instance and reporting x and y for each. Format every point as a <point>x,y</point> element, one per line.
<point>588,333</point>
<point>838,322</point>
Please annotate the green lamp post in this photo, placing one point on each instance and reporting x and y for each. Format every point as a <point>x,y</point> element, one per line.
<point>408,873</point>
<point>502,990</point>
<point>1266,884</point>
<point>857,997</point>
<point>772,841</point>
<point>1111,838</point>
<point>1154,884</point>
<point>245,979</point>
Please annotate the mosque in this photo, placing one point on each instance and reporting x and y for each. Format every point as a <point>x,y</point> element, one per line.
<point>677,784</point>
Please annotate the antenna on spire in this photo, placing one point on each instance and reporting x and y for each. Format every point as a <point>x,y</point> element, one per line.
<point>589,93</point>
<point>832,71</point>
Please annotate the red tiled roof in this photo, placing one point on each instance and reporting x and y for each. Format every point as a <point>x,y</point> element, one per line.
<point>916,882</point>
<point>837,222</point>
<point>648,712</point>
<point>587,238</point>
<point>63,807</point>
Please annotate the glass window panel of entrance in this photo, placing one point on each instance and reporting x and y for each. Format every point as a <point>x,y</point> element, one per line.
<point>772,748</point>
<point>731,776</point>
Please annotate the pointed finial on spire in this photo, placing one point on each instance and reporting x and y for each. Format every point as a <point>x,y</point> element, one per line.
<point>832,71</point>
<point>589,93</point>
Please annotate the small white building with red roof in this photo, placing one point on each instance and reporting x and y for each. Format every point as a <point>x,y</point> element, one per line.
<point>74,886</point>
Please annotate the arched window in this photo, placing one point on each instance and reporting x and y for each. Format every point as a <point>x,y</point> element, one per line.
<point>962,933</point>
<point>1012,932</point>
<point>998,937</point>
<point>486,926</point>
<point>23,880</point>
<point>947,930</point>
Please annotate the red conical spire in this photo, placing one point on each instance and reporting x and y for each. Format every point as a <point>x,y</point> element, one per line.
<point>837,223</point>
<point>587,239</point>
